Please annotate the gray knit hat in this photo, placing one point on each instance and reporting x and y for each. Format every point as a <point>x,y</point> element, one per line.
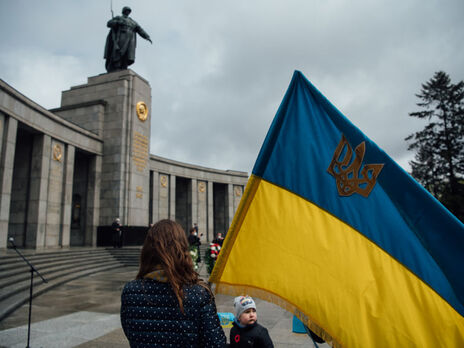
<point>242,303</point>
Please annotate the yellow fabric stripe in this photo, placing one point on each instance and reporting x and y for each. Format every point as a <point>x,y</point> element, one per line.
<point>297,253</point>
<point>245,202</point>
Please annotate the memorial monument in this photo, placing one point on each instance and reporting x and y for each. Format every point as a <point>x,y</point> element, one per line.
<point>67,172</point>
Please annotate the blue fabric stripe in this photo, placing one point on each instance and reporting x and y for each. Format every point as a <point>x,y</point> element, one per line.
<point>399,215</point>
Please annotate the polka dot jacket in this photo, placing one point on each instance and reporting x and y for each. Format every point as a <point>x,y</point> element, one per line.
<point>151,316</point>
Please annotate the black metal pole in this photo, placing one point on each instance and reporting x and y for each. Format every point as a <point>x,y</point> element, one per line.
<point>30,309</point>
<point>32,270</point>
<point>311,336</point>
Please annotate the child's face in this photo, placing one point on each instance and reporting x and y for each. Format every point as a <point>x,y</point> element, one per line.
<point>248,317</point>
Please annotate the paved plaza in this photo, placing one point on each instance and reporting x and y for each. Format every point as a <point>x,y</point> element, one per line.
<point>85,313</point>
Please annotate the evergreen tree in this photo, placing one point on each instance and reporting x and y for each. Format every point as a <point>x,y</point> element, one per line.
<point>439,160</point>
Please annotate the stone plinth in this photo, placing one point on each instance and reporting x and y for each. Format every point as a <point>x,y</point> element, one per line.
<point>124,99</point>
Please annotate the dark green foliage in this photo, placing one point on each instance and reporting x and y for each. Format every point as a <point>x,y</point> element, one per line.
<point>439,160</point>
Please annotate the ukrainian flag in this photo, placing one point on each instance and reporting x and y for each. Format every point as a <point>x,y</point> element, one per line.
<point>333,230</point>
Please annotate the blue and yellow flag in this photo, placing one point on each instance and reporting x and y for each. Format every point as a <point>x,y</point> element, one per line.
<point>333,230</point>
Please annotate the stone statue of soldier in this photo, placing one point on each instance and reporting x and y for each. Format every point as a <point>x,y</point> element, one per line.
<point>121,41</point>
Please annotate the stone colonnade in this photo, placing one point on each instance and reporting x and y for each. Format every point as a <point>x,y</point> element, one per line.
<point>192,194</point>
<point>38,151</point>
<point>64,172</point>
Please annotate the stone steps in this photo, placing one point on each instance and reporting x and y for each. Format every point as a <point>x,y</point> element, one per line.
<point>57,267</point>
<point>20,272</point>
<point>128,256</point>
<point>11,257</point>
<point>203,247</point>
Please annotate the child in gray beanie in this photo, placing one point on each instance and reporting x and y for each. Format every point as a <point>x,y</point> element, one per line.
<point>246,332</point>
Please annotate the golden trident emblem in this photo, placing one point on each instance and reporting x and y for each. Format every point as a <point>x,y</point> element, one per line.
<point>347,175</point>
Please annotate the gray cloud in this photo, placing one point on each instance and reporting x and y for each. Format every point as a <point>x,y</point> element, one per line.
<point>219,70</point>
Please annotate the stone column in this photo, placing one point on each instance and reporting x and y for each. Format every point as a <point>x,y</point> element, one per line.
<point>229,205</point>
<point>238,192</point>
<point>210,211</point>
<point>67,195</point>
<point>8,130</point>
<point>172,197</point>
<point>202,208</point>
<point>40,167</point>
<point>55,195</point>
<point>93,200</point>
<point>155,196</point>
<point>163,186</point>
<point>194,205</point>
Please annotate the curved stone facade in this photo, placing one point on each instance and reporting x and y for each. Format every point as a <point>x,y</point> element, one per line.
<point>66,171</point>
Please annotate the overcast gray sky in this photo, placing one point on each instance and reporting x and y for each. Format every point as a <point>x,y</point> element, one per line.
<point>219,69</point>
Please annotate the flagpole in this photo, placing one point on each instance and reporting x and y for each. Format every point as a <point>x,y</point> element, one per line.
<point>309,334</point>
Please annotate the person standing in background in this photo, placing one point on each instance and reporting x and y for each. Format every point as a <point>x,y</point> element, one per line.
<point>116,229</point>
<point>194,241</point>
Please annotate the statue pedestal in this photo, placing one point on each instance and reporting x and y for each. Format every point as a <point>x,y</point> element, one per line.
<point>115,106</point>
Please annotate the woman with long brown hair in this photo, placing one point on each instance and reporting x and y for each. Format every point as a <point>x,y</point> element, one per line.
<point>167,305</point>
